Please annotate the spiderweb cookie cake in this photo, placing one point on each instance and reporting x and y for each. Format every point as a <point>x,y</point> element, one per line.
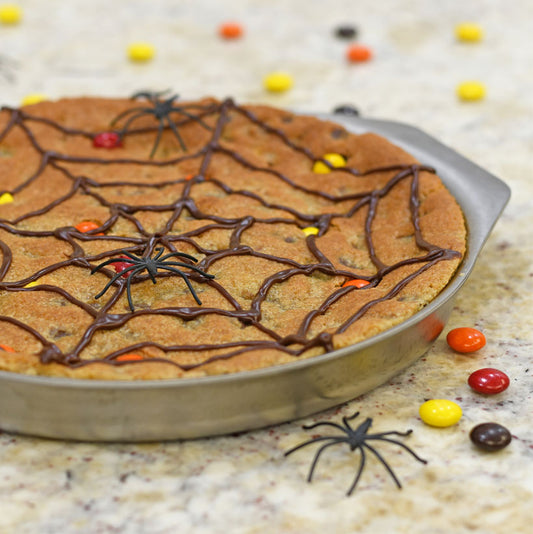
<point>152,238</point>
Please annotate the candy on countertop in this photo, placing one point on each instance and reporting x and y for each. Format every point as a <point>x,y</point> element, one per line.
<point>469,32</point>
<point>358,53</point>
<point>107,140</point>
<point>141,51</point>
<point>440,412</point>
<point>489,381</point>
<point>346,109</point>
<point>230,30</point>
<point>490,436</point>
<point>33,98</point>
<point>278,82</point>
<point>346,32</point>
<point>6,198</point>
<point>336,160</point>
<point>310,230</point>
<point>471,91</point>
<point>465,339</point>
<point>10,14</point>
<point>358,282</point>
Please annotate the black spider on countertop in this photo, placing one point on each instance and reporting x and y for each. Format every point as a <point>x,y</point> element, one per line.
<point>151,265</point>
<point>357,438</point>
<point>162,109</point>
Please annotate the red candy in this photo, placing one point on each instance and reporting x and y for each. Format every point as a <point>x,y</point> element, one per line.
<point>465,339</point>
<point>489,381</point>
<point>119,266</point>
<point>107,140</point>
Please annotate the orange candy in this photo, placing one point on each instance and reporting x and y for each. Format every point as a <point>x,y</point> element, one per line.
<point>358,282</point>
<point>87,226</point>
<point>129,358</point>
<point>6,348</point>
<point>358,53</point>
<point>230,30</point>
<point>465,339</point>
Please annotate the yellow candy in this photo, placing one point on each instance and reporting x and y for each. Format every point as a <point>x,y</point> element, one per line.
<point>310,230</point>
<point>440,412</point>
<point>277,82</point>
<point>469,32</point>
<point>6,198</point>
<point>33,98</point>
<point>10,14</point>
<point>32,284</point>
<point>335,159</point>
<point>471,91</point>
<point>141,51</point>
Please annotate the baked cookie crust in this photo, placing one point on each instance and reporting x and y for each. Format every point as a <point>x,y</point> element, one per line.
<point>235,187</point>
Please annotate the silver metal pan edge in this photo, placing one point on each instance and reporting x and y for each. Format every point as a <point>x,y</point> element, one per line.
<point>94,410</point>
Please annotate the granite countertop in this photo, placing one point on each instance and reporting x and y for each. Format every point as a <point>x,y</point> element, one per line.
<point>243,483</point>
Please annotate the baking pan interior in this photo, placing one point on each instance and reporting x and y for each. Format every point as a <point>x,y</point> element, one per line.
<point>94,410</point>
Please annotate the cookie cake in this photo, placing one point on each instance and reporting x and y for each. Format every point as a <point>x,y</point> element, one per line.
<point>153,238</point>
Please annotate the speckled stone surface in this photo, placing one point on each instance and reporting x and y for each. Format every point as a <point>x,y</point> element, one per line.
<point>243,483</point>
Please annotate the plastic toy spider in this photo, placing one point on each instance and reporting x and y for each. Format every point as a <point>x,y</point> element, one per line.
<point>161,110</point>
<point>357,439</point>
<point>151,265</point>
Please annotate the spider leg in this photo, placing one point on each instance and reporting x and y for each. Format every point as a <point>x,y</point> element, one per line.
<point>131,256</point>
<point>191,116</point>
<point>189,285</point>
<point>359,471</point>
<point>128,286</point>
<point>192,267</point>
<point>178,254</point>
<point>310,442</point>
<point>98,267</point>
<point>114,279</point>
<point>125,113</point>
<point>396,442</point>
<point>160,129</point>
<point>325,423</point>
<point>318,453</point>
<point>159,251</point>
<point>382,460</point>
<point>124,128</point>
<point>393,432</point>
<point>176,133</point>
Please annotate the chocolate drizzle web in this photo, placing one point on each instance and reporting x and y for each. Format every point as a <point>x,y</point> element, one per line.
<point>146,242</point>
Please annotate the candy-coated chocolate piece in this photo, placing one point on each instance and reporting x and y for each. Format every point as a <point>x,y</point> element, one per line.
<point>490,436</point>
<point>32,284</point>
<point>310,230</point>
<point>336,160</point>
<point>489,381</point>
<point>119,266</point>
<point>86,226</point>
<point>129,358</point>
<point>278,82</point>
<point>107,140</point>
<point>465,339</point>
<point>440,412</point>
<point>358,282</point>
<point>469,32</point>
<point>230,30</point>
<point>6,348</point>
<point>358,54</point>
<point>6,198</point>
<point>471,91</point>
<point>346,32</point>
<point>141,51</point>
<point>33,98</point>
<point>346,109</point>
<point>10,14</point>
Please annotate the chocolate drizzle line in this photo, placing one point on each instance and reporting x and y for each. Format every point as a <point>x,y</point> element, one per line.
<point>145,242</point>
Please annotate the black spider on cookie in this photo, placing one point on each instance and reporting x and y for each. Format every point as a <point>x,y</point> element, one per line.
<point>151,266</point>
<point>163,110</point>
<point>357,438</point>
